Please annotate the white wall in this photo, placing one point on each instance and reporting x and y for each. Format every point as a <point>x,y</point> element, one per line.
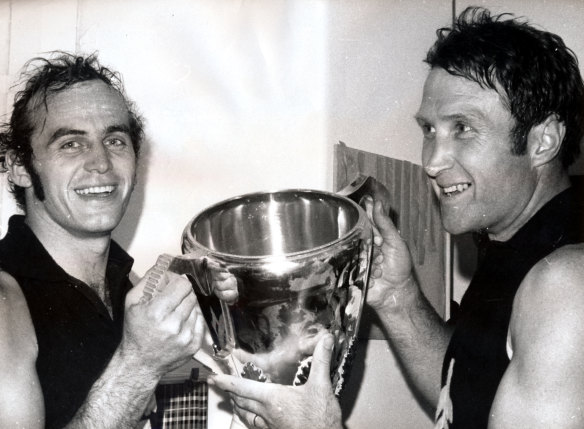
<point>247,96</point>
<point>234,95</point>
<point>241,97</point>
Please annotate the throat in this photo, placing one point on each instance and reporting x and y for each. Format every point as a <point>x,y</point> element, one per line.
<point>103,292</point>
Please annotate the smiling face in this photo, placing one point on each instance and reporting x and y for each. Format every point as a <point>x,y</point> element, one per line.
<point>83,158</point>
<point>467,156</point>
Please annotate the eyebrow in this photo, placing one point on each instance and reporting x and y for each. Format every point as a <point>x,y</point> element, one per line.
<point>118,129</point>
<point>453,117</point>
<point>62,132</point>
<point>460,117</point>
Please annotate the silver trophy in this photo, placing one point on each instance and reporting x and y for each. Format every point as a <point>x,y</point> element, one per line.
<point>298,264</point>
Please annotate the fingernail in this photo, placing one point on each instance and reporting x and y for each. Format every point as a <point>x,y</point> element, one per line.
<point>328,342</point>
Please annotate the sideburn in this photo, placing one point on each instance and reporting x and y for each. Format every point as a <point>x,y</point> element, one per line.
<point>37,186</point>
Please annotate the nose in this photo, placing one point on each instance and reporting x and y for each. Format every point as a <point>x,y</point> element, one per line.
<point>98,158</point>
<point>437,156</point>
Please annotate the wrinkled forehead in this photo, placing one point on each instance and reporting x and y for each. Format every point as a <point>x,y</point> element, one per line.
<point>444,91</point>
<point>83,101</point>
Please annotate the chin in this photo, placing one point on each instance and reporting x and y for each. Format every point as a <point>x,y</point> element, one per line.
<point>457,228</point>
<point>102,225</point>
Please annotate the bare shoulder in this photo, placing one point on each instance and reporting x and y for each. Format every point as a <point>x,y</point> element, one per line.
<point>549,305</point>
<point>21,400</point>
<point>566,260</point>
<point>17,333</point>
<point>555,283</point>
<point>544,383</point>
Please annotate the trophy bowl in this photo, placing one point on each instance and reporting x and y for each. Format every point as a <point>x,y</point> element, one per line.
<point>298,262</point>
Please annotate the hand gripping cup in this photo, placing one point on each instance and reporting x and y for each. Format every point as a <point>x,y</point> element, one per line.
<point>297,262</point>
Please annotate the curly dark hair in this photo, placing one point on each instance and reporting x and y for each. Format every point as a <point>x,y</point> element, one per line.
<point>45,76</point>
<point>533,71</point>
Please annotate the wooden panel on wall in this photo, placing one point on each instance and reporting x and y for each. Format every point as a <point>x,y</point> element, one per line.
<point>415,212</point>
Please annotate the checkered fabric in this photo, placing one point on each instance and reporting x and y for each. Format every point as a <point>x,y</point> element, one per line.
<point>181,406</point>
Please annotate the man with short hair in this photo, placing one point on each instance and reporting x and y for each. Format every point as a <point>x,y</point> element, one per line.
<point>502,116</point>
<point>70,151</point>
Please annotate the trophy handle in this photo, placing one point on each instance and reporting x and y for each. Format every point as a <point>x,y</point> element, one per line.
<point>196,266</point>
<point>363,186</point>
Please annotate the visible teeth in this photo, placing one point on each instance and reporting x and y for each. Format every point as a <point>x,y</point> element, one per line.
<point>456,188</point>
<point>95,190</point>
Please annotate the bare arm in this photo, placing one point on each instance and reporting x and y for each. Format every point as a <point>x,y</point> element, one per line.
<point>416,331</point>
<point>21,399</point>
<point>159,335</point>
<point>544,383</point>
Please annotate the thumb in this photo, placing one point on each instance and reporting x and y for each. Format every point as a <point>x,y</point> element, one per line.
<point>384,225</point>
<point>320,372</point>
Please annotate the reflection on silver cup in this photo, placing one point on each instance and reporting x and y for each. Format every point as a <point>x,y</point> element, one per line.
<point>275,271</point>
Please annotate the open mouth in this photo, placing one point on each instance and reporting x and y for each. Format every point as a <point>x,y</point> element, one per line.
<point>96,190</point>
<point>453,190</point>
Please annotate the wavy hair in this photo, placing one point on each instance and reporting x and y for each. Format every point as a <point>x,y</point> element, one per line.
<point>533,71</point>
<point>41,78</point>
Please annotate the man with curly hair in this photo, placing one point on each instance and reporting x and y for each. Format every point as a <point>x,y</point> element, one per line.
<point>90,344</point>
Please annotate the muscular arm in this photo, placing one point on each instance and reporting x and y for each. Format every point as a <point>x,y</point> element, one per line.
<point>119,397</point>
<point>160,334</point>
<point>419,338</point>
<point>544,383</point>
<point>21,400</point>
<point>416,331</point>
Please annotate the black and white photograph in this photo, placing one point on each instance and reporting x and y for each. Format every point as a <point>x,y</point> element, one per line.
<point>289,214</point>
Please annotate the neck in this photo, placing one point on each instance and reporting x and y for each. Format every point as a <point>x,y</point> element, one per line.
<point>549,184</point>
<point>83,257</point>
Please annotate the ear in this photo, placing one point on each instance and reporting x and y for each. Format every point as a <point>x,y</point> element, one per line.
<point>545,140</point>
<point>17,172</point>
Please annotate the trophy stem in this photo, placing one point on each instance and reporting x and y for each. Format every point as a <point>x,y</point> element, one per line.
<point>236,423</point>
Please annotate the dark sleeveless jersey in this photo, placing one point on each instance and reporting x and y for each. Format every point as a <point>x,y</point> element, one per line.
<point>477,349</point>
<point>75,333</point>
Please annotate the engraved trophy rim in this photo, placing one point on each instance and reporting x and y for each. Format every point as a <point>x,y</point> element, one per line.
<point>188,236</point>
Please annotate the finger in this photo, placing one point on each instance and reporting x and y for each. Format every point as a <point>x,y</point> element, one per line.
<point>376,273</point>
<point>224,281</point>
<point>183,325</point>
<point>321,361</point>
<point>369,205</point>
<point>193,334</point>
<point>178,292</point>
<point>385,226</point>
<point>242,387</point>
<point>176,305</point>
<point>378,257</point>
<point>251,418</point>
<point>242,406</point>
<point>225,286</point>
<point>199,330</point>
